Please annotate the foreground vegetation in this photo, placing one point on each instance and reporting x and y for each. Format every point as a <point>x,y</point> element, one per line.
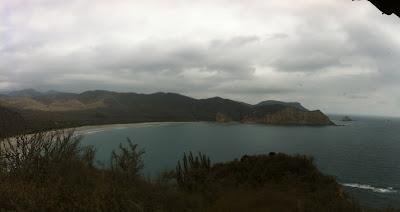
<point>51,171</point>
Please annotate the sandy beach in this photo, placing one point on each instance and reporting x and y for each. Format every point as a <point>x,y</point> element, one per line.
<point>84,130</point>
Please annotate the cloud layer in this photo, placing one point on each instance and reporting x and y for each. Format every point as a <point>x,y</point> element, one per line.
<point>336,55</point>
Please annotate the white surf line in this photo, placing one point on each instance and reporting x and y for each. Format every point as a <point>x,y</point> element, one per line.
<point>371,188</point>
<point>92,129</point>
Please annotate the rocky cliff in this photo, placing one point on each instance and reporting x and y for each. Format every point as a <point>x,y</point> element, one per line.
<point>222,118</point>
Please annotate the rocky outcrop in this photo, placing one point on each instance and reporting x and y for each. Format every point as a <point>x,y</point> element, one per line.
<point>222,118</point>
<point>291,116</point>
<point>347,118</point>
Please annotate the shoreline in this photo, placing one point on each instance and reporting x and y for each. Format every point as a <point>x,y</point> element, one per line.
<point>83,130</point>
<point>90,129</point>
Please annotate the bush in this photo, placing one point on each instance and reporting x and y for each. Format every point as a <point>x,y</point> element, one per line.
<point>194,171</point>
<point>34,156</point>
<point>128,161</point>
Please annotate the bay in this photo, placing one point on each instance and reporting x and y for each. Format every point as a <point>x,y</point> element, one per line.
<point>364,155</point>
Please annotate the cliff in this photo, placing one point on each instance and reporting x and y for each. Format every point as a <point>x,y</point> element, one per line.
<point>222,118</point>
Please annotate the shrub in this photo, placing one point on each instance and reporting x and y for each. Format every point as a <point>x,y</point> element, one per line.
<point>128,160</point>
<point>36,155</point>
<point>194,171</point>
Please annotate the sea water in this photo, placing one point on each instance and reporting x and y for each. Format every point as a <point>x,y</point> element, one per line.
<point>364,155</point>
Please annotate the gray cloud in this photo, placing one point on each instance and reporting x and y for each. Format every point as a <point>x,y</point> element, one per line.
<point>314,53</point>
<point>306,63</point>
<point>277,36</point>
<point>246,89</point>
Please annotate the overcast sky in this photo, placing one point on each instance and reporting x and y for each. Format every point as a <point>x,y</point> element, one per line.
<point>339,56</point>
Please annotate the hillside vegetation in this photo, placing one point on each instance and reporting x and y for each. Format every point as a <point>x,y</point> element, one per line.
<point>11,123</point>
<point>54,110</point>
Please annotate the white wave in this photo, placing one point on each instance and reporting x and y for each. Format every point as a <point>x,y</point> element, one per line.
<point>88,132</point>
<point>119,128</point>
<point>371,188</point>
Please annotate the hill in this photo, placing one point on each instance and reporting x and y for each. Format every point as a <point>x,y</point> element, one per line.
<point>11,122</point>
<point>289,104</point>
<point>56,109</point>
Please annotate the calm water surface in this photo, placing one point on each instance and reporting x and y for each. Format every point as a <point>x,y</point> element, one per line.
<point>364,155</point>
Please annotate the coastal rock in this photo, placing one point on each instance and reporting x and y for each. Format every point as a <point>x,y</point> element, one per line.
<point>347,118</point>
<point>222,118</point>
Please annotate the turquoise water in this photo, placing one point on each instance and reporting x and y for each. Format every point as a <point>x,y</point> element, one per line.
<point>364,155</point>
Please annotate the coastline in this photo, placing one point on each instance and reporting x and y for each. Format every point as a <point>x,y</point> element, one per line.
<point>89,129</point>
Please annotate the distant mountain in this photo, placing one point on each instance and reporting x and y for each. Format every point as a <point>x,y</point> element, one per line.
<point>23,93</point>
<point>289,104</point>
<point>31,93</point>
<point>57,109</point>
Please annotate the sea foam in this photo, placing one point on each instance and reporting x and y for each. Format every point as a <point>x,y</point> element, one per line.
<point>371,188</point>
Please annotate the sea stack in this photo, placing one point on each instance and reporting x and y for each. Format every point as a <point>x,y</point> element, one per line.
<point>347,118</point>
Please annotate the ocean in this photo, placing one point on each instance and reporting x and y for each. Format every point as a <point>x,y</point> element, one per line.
<point>364,154</point>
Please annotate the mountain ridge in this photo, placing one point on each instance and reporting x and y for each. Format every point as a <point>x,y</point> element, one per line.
<point>292,104</point>
<point>58,109</point>
<point>53,95</point>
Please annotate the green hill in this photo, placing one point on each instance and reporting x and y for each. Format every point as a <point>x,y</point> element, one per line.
<point>58,110</point>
